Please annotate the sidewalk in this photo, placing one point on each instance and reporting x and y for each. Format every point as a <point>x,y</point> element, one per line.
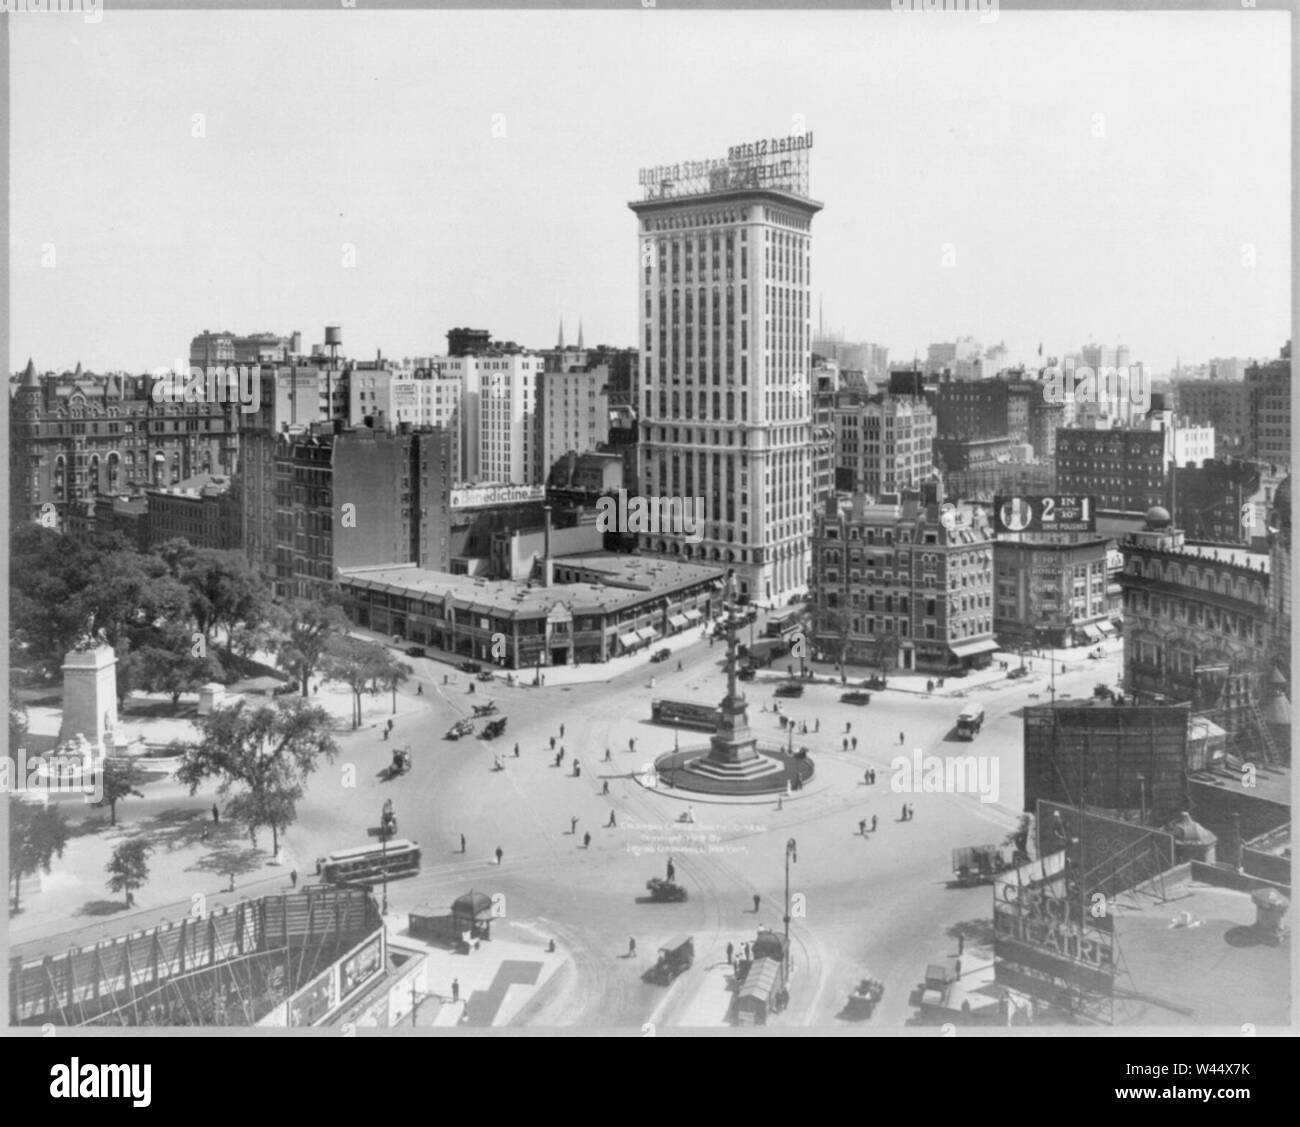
<point>554,675</point>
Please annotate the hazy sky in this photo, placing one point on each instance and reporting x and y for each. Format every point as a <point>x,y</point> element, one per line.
<point>376,130</point>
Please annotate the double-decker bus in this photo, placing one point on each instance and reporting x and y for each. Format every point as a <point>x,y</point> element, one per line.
<point>686,714</point>
<point>367,864</point>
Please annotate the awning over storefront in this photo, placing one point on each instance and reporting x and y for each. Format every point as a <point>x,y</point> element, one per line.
<point>1091,632</point>
<point>678,620</point>
<point>970,649</point>
<point>693,615</point>
<point>628,640</point>
<point>646,634</point>
<point>1106,627</point>
<point>1114,589</point>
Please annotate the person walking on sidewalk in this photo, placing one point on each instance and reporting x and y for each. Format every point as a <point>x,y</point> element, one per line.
<point>573,824</point>
<point>500,854</point>
<point>455,990</point>
<point>862,828</point>
<point>757,901</point>
<point>462,843</point>
<point>873,823</point>
<point>586,841</point>
<point>901,739</point>
<point>612,823</point>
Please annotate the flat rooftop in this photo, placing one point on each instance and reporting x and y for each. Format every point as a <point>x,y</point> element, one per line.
<point>621,581</point>
<point>1214,972</point>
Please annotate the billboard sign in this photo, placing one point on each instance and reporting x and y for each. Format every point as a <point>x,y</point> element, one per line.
<point>1056,512</point>
<point>1040,931</point>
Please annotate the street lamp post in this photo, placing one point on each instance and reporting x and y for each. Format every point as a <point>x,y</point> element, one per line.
<point>790,855</point>
<point>387,821</point>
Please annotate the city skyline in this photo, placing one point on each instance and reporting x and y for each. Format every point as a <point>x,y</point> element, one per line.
<point>291,176</point>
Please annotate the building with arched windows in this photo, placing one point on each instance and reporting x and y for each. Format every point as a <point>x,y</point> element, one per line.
<point>74,437</point>
<point>1196,623</point>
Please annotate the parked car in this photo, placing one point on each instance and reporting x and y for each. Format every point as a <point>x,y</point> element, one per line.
<point>661,655</point>
<point>1015,672</point>
<point>470,667</point>
<point>746,674</point>
<point>789,689</point>
<point>874,682</point>
<point>856,697</point>
<point>415,651</point>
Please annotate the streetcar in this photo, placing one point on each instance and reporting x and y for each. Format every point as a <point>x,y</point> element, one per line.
<point>367,864</point>
<point>687,714</point>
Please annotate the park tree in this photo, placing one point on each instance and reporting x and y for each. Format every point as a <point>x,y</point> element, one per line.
<point>17,725</point>
<point>273,806</point>
<point>266,750</point>
<point>224,592</point>
<point>833,622</point>
<point>360,665</point>
<point>121,779</point>
<point>308,627</point>
<point>36,835</point>
<point>128,867</point>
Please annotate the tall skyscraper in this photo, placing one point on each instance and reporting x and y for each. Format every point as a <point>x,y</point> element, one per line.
<point>726,315</point>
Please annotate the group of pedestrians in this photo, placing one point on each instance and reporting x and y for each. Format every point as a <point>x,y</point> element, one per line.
<point>862,826</point>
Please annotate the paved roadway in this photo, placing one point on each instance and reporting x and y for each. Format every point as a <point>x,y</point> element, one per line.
<point>879,905</point>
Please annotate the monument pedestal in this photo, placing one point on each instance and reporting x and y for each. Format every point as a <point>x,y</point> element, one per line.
<point>90,695</point>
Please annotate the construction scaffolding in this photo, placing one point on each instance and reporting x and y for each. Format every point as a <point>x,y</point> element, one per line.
<point>231,967</point>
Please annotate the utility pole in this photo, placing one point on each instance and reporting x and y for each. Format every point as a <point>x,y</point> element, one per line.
<point>790,855</point>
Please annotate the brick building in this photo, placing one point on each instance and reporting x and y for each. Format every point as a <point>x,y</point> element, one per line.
<point>903,582</point>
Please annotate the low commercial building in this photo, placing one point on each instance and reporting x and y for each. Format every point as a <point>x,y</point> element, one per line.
<point>599,605</point>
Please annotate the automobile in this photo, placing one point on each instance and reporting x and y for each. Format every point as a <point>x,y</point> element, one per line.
<point>469,667</point>
<point>856,697</point>
<point>675,957</point>
<point>415,651</point>
<point>1016,672</point>
<point>486,675</point>
<point>874,682</point>
<point>746,674</point>
<point>485,709</point>
<point>494,728</point>
<point>661,655</point>
<point>789,689</point>
<point>460,728</point>
<point>664,890</point>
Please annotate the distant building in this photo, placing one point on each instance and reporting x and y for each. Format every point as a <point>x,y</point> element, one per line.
<point>1269,388</point>
<point>901,582</point>
<point>1220,502</point>
<point>883,444</point>
<point>202,509</point>
<point>1224,406</point>
<point>1126,468</point>
<point>75,436</point>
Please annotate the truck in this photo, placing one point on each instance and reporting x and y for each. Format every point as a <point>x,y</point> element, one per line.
<point>977,864</point>
<point>970,721</point>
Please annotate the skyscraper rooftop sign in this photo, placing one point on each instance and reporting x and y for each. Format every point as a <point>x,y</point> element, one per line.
<point>767,162</point>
